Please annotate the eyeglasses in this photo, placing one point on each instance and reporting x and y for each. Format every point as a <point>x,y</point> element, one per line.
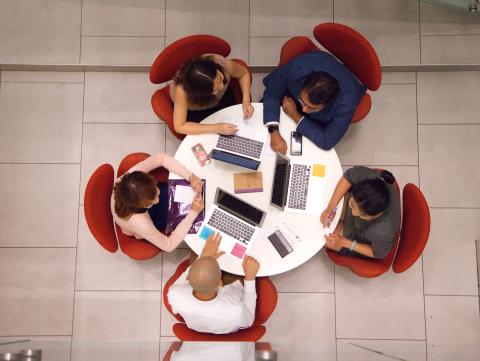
<point>302,103</point>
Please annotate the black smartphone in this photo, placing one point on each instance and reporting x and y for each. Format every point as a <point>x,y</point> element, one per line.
<point>295,143</point>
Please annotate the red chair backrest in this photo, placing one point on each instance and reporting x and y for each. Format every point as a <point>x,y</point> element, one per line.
<point>174,55</point>
<point>97,207</point>
<point>294,47</point>
<point>353,50</point>
<point>160,174</point>
<point>415,228</point>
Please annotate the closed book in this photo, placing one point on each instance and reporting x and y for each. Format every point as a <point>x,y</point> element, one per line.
<point>248,182</point>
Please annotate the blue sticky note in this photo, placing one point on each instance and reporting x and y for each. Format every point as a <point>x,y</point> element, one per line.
<point>206,232</point>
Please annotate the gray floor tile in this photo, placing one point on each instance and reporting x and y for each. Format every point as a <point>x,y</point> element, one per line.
<point>45,197</point>
<point>287,18</point>
<point>449,174</point>
<point>391,26</point>
<point>172,143</point>
<point>453,328</point>
<point>387,307</point>
<point>227,19</point>
<point>120,50</point>
<point>116,326</point>
<point>388,135</point>
<point>257,87</point>
<point>98,269</point>
<point>297,280</point>
<point>123,17</point>
<point>119,98</point>
<point>461,49</point>
<point>389,77</point>
<point>305,351</point>
<point>455,103</point>
<point>110,143</point>
<point>40,32</point>
<point>405,350</point>
<point>442,20</point>
<point>48,129</point>
<point>42,76</point>
<point>449,262</point>
<point>53,348</point>
<point>37,287</point>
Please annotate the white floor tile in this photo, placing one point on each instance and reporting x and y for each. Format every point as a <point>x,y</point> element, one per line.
<point>123,17</point>
<point>389,77</point>
<point>110,143</point>
<point>42,76</point>
<point>388,135</point>
<point>297,280</point>
<point>287,18</point>
<point>40,32</point>
<point>304,318</point>
<point>37,291</point>
<point>48,129</point>
<point>387,307</point>
<point>405,350</point>
<point>98,269</point>
<point>53,348</point>
<point>116,326</point>
<point>172,143</point>
<point>120,50</point>
<point>119,98</point>
<point>443,20</point>
<point>449,260</point>
<point>449,173</point>
<point>45,197</point>
<point>257,87</point>
<point>455,103</point>
<point>461,49</point>
<point>226,19</point>
<point>453,328</point>
<point>391,26</point>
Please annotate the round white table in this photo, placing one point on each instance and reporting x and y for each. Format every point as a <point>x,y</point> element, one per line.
<point>307,231</point>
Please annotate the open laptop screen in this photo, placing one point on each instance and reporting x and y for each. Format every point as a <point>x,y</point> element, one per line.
<point>239,208</point>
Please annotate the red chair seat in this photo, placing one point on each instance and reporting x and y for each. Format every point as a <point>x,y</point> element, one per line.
<point>363,108</point>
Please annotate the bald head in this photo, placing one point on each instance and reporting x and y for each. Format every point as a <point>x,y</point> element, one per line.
<point>205,275</point>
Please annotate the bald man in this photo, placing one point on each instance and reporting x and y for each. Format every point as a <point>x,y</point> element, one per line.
<point>205,304</point>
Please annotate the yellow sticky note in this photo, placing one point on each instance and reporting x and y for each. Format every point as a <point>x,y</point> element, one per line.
<point>318,170</point>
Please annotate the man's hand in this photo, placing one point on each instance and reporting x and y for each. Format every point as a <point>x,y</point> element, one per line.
<point>277,143</point>
<point>196,183</point>
<point>247,109</point>
<point>250,268</point>
<point>290,108</point>
<point>336,241</point>
<point>211,246</point>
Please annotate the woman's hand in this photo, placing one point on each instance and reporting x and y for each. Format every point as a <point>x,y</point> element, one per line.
<point>336,241</point>
<point>196,183</point>
<point>197,203</point>
<point>327,216</point>
<point>248,109</point>
<point>226,128</point>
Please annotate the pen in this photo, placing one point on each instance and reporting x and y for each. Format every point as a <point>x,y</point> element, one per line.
<point>330,217</point>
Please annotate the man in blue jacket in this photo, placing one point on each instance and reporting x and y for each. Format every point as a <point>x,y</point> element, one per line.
<point>318,93</point>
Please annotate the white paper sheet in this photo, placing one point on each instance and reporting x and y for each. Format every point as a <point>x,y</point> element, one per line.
<point>184,194</point>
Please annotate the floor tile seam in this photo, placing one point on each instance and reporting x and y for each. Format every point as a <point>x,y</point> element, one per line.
<point>278,36</point>
<point>476,123</point>
<point>431,207</point>
<point>382,339</point>
<point>45,335</point>
<point>249,29</point>
<point>451,35</point>
<point>383,165</point>
<point>36,247</point>
<point>335,308</point>
<point>43,163</point>
<point>399,83</point>
<point>122,36</point>
<point>39,82</point>
<point>307,292</point>
<point>438,295</point>
<point>419,41</point>
<point>80,55</point>
<point>150,291</point>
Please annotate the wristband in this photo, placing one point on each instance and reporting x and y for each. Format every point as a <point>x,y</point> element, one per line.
<point>352,247</point>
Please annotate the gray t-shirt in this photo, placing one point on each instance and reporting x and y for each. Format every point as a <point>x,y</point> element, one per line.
<point>381,232</point>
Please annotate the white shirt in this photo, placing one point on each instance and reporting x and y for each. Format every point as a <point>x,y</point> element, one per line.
<point>232,309</point>
<point>215,351</point>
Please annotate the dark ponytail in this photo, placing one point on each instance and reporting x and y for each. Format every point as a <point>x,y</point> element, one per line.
<point>387,176</point>
<point>372,195</point>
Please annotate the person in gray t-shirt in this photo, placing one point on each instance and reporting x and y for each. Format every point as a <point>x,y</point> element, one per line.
<point>371,220</point>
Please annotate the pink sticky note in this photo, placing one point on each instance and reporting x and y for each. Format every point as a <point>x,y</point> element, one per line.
<point>238,250</point>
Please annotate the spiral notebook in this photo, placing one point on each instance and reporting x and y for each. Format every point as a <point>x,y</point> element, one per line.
<point>177,211</point>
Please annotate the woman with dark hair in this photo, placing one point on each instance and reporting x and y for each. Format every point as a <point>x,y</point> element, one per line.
<point>140,205</point>
<point>371,219</point>
<point>201,88</point>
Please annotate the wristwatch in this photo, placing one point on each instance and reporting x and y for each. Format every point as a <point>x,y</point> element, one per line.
<point>272,128</point>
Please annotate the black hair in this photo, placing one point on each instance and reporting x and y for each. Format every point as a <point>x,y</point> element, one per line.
<point>196,77</point>
<point>372,195</point>
<point>321,87</point>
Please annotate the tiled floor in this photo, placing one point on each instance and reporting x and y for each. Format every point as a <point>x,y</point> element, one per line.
<point>76,301</point>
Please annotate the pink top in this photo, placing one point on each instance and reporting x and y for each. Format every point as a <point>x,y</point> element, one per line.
<point>140,225</point>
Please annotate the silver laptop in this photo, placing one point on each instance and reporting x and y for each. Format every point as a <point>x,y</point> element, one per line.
<point>243,146</point>
<point>298,187</point>
<point>238,221</point>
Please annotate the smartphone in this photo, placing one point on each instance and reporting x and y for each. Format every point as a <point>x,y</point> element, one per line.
<point>295,143</point>
<point>200,154</point>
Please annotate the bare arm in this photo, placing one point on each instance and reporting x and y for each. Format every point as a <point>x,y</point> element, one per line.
<point>340,190</point>
<point>244,79</point>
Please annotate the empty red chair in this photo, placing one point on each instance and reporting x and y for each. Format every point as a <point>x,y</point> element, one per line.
<point>97,207</point>
<point>169,61</point>
<point>138,249</point>
<point>266,303</point>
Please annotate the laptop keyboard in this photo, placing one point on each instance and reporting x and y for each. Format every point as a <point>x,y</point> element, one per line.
<point>231,226</point>
<point>299,186</point>
<point>241,145</point>
<point>279,180</point>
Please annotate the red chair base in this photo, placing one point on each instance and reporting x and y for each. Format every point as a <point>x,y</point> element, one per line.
<point>251,334</point>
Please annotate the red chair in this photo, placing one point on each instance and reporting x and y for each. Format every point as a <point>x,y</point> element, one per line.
<point>266,303</point>
<point>169,61</point>
<point>138,249</point>
<point>97,207</point>
<point>348,46</point>
<point>411,243</point>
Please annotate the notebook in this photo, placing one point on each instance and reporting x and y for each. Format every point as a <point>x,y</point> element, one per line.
<point>248,182</point>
